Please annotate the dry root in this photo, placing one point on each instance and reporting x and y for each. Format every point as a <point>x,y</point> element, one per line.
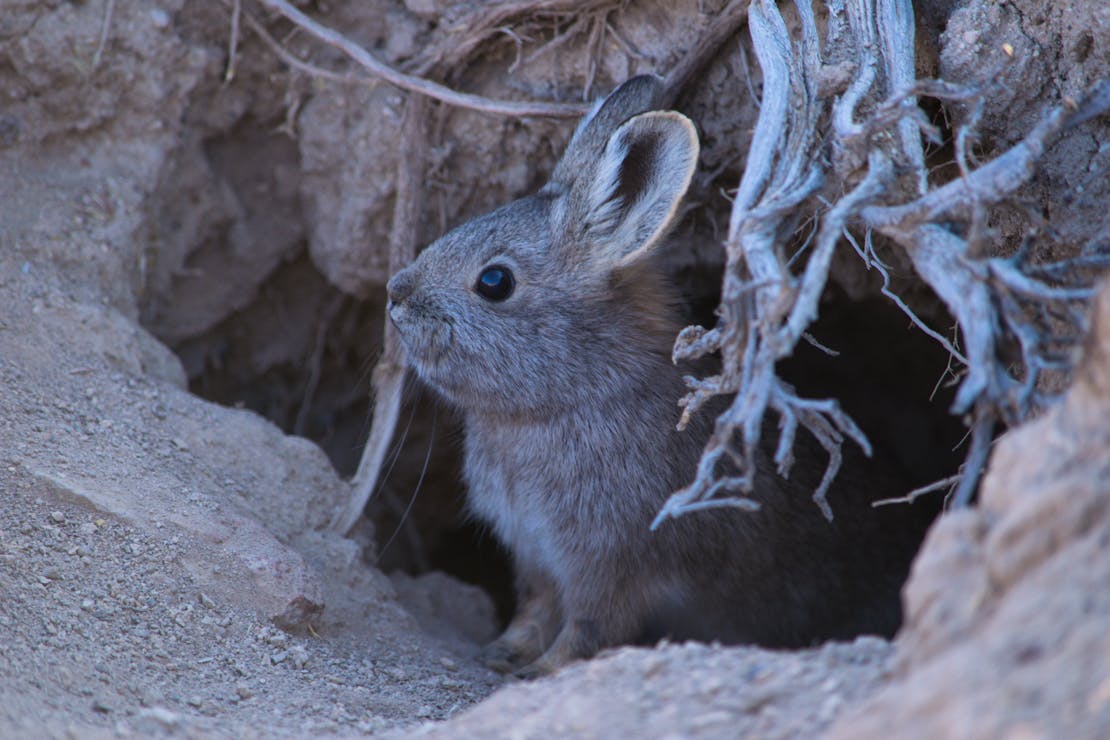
<point>794,159</point>
<point>1017,320</point>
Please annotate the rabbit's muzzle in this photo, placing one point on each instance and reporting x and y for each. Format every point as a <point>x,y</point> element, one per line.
<point>400,287</point>
<point>424,332</point>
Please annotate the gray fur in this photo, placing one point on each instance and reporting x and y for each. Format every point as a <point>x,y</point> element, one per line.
<point>570,397</point>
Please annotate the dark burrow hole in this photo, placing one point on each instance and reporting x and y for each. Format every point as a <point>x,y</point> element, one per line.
<point>888,376</point>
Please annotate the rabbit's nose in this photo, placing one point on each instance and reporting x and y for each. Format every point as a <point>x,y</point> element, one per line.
<point>400,286</point>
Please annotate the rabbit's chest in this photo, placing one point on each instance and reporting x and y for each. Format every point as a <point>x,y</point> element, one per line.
<point>511,489</point>
<point>525,529</point>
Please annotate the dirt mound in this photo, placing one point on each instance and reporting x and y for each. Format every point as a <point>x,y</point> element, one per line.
<point>1008,602</point>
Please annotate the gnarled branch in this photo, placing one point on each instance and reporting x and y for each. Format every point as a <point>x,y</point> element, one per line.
<point>875,142</point>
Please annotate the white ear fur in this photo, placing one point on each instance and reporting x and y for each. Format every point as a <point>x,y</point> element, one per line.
<point>637,185</point>
<point>636,95</point>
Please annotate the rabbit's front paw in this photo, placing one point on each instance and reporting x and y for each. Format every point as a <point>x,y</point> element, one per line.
<point>517,647</point>
<point>502,657</point>
<point>535,669</point>
<point>577,640</point>
<point>523,641</point>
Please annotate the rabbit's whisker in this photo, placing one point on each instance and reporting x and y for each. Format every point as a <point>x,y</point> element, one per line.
<point>419,482</point>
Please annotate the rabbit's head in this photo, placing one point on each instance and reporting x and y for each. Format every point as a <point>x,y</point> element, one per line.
<point>533,307</point>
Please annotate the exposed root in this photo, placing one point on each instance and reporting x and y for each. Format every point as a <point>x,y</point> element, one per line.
<point>233,40</point>
<point>419,85</point>
<point>295,62</point>
<point>471,32</point>
<point>105,28</point>
<point>389,374</point>
<point>848,155</point>
<point>766,308</point>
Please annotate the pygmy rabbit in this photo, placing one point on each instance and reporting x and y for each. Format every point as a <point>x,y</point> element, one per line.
<point>548,324</point>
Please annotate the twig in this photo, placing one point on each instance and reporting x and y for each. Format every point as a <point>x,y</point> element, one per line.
<point>765,310</point>
<point>233,41</point>
<point>105,27</point>
<point>871,261</point>
<point>981,294</point>
<point>816,344</point>
<point>832,227</point>
<point>518,43</point>
<point>982,433</point>
<point>420,85</point>
<point>467,34</point>
<point>295,62</point>
<point>389,374</point>
<point>917,493</point>
<point>990,183</point>
<point>625,45</point>
<point>560,40</point>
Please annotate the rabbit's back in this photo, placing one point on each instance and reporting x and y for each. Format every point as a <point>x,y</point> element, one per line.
<point>577,495</point>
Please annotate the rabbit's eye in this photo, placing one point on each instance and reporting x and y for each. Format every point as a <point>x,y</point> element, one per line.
<point>495,283</point>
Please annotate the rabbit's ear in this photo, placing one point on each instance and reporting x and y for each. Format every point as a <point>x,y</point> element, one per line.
<point>630,196</point>
<point>634,96</point>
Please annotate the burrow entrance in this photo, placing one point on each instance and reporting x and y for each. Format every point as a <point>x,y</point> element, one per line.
<point>259,177</point>
<point>302,352</point>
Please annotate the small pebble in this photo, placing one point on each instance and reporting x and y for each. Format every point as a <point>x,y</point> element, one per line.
<point>152,697</point>
<point>205,601</point>
<point>243,691</point>
<point>299,656</point>
<point>159,17</point>
<point>156,719</point>
<point>279,657</point>
<point>274,637</point>
<point>195,701</point>
<point>57,517</point>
